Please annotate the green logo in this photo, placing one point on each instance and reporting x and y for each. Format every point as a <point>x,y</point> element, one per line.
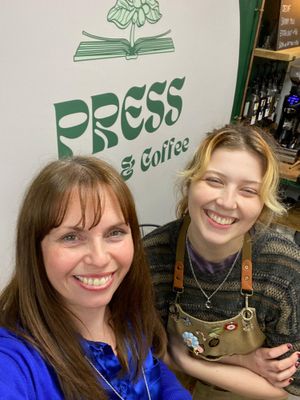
<point>125,14</point>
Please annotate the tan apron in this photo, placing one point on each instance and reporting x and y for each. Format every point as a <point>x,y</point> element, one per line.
<point>213,340</point>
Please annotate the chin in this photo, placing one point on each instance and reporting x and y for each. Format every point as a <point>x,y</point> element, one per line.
<point>220,239</point>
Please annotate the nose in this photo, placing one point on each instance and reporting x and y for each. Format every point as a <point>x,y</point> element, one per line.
<point>227,199</point>
<point>97,254</point>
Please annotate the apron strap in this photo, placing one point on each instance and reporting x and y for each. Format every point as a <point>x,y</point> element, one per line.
<point>246,278</point>
<point>180,251</point>
<point>247,287</point>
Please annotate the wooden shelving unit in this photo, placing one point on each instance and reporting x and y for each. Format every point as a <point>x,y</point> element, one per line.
<point>291,220</point>
<point>289,174</point>
<point>280,55</point>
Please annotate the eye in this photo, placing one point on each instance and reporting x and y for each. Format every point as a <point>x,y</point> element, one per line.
<point>214,181</point>
<point>118,232</point>
<point>70,237</point>
<point>250,191</point>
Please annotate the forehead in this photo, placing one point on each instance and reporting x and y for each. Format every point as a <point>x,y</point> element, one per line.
<point>236,162</point>
<point>88,206</point>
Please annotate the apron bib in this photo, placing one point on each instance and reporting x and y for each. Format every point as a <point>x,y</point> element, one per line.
<point>212,340</point>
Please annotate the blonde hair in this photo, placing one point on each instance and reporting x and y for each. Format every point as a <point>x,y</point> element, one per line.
<point>237,137</point>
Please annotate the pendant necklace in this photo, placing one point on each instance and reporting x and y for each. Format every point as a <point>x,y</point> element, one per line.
<point>111,386</point>
<point>208,302</point>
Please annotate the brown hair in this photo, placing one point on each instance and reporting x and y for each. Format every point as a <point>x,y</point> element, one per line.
<point>30,306</point>
<point>237,137</point>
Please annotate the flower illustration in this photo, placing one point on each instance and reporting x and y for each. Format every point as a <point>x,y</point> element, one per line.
<point>134,12</point>
<point>127,14</point>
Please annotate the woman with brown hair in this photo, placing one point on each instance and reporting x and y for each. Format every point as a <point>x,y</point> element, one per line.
<point>227,285</point>
<point>77,318</point>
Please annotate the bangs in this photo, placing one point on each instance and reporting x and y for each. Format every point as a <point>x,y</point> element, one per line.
<point>86,178</point>
<point>90,198</point>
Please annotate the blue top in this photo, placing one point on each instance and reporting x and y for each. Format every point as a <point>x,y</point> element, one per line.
<point>26,375</point>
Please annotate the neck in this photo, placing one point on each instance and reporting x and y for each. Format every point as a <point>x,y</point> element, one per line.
<point>94,325</point>
<point>214,253</point>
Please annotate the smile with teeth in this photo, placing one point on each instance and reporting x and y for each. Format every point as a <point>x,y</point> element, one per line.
<point>220,220</point>
<point>98,282</point>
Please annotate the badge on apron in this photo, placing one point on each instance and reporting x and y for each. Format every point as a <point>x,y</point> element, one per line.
<point>192,343</point>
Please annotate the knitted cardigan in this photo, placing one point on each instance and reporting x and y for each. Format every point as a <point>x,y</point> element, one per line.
<point>276,284</point>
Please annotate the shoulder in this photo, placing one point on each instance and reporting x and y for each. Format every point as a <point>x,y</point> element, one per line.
<point>24,372</point>
<point>276,265</point>
<point>13,345</point>
<point>160,246</point>
<point>165,235</point>
<point>273,247</point>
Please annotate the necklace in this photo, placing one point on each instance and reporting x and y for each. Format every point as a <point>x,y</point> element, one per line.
<point>208,302</point>
<point>111,386</point>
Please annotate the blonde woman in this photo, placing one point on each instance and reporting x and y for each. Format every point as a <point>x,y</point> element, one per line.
<point>227,286</point>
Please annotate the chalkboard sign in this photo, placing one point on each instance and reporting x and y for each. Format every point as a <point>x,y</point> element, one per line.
<point>280,28</point>
<point>289,25</point>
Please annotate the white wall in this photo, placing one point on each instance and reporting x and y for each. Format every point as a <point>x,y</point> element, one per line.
<point>38,42</point>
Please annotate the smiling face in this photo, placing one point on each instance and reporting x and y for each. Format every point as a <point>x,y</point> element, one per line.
<point>86,266</point>
<point>225,203</point>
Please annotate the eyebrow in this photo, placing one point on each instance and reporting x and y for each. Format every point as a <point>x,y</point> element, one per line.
<point>79,228</point>
<point>225,176</point>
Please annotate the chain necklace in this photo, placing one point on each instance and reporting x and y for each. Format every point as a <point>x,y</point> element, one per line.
<point>208,302</point>
<point>111,386</point>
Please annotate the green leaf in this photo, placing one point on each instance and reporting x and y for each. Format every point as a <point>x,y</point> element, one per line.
<point>136,3</point>
<point>134,18</point>
<point>124,4</point>
<point>152,4</point>
<point>153,15</point>
<point>121,14</point>
<point>141,18</point>
<point>146,8</point>
<point>137,12</point>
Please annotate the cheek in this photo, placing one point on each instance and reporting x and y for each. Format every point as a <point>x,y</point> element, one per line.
<point>47,259</point>
<point>126,255</point>
<point>130,256</point>
<point>194,199</point>
<point>201,194</point>
<point>197,203</point>
<point>55,262</point>
<point>254,210</point>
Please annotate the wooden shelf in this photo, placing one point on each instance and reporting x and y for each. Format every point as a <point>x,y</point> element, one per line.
<point>291,220</point>
<point>280,55</point>
<point>290,172</point>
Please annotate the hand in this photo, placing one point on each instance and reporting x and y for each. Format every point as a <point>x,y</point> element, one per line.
<point>234,378</point>
<point>264,362</point>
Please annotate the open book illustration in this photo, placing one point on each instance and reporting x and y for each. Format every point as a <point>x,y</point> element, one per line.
<point>127,13</point>
<point>110,48</point>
